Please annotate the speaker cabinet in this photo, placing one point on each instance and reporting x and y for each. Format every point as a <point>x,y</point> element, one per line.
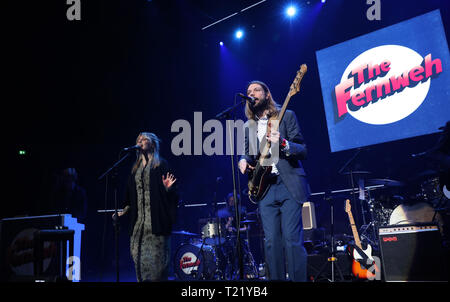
<point>412,253</point>
<point>309,216</point>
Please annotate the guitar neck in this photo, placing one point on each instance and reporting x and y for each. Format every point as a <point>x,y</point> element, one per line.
<point>276,126</point>
<point>354,230</point>
<point>294,88</point>
<point>283,109</point>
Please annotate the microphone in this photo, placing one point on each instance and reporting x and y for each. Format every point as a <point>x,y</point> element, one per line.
<point>248,98</point>
<point>135,147</point>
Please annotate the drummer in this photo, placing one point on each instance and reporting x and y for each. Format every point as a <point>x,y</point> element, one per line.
<point>228,214</point>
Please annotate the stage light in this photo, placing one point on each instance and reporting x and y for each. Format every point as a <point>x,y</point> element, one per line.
<point>323,1</point>
<point>291,11</point>
<point>239,34</point>
<point>221,43</point>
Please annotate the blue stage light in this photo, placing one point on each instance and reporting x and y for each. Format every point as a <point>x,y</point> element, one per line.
<point>239,34</point>
<point>221,43</point>
<point>291,11</point>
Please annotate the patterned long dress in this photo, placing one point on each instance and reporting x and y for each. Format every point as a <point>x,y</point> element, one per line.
<point>151,253</point>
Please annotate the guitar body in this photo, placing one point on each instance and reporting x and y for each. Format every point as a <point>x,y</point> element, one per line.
<point>358,270</point>
<point>258,182</point>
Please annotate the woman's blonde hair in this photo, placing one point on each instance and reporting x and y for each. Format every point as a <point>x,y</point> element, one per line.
<point>154,158</point>
<point>273,106</point>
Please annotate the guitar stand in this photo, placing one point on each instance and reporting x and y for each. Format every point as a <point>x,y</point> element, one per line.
<point>197,256</point>
<point>332,260</point>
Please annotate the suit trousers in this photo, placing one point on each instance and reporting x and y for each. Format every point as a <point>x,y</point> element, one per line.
<point>281,218</point>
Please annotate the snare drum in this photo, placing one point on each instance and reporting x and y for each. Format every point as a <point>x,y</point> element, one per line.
<point>191,263</point>
<point>213,233</point>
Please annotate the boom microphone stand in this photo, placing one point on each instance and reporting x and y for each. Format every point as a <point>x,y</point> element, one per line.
<point>116,219</point>
<point>225,115</point>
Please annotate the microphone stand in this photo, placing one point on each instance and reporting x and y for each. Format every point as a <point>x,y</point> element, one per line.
<point>332,260</point>
<point>352,183</point>
<point>224,115</point>
<point>116,219</point>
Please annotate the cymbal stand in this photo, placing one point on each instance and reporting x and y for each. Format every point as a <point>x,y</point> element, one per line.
<point>372,224</point>
<point>217,222</point>
<point>200,253</point>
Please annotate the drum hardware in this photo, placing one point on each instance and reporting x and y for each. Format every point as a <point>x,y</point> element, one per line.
<point>430,190</point>
<point>250,269</point>
<point>371,225</point>
<point>201,261</point>
<point>248,221</point>
<point>215,257</point>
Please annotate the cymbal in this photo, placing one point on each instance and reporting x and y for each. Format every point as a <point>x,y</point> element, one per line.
<point>184,233</point>
<point>427,173</point>
<point>357,172</point>
<point>385,181</point>
<point>248,221</point>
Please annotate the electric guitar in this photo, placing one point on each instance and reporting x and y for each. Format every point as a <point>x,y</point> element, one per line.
<point>359,254</point>
<point>259,177</point>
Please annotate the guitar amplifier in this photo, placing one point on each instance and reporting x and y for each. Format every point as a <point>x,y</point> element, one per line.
<point>309,216</point>
<point>412,253</point>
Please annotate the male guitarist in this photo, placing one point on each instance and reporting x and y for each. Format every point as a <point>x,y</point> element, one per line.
<point>281,205</point>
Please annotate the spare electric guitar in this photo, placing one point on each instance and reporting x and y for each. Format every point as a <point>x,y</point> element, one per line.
<point>361,257</point>
<point>259,177</point>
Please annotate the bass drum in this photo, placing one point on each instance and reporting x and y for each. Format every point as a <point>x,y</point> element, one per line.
<point>415,213</point>
<point>191,263</point>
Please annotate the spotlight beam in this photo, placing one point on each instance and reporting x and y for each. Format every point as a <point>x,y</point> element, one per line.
<point>223,19</point>
<point>253,5</point>
<point>232,15</point>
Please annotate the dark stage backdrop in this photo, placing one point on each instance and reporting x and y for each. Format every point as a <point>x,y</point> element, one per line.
<point>75,92</point>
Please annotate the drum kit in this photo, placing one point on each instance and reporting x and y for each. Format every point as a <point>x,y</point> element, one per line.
<point>392,202</point>
<point>213,254</point>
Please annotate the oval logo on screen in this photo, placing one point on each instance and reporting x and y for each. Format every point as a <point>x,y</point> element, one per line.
<point>385,84</point>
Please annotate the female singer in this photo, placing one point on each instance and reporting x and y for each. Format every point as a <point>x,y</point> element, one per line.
<point>151,200</point>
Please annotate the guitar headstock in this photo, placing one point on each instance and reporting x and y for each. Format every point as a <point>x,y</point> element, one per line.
<point>348,207</point>
<point>295,86</point>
